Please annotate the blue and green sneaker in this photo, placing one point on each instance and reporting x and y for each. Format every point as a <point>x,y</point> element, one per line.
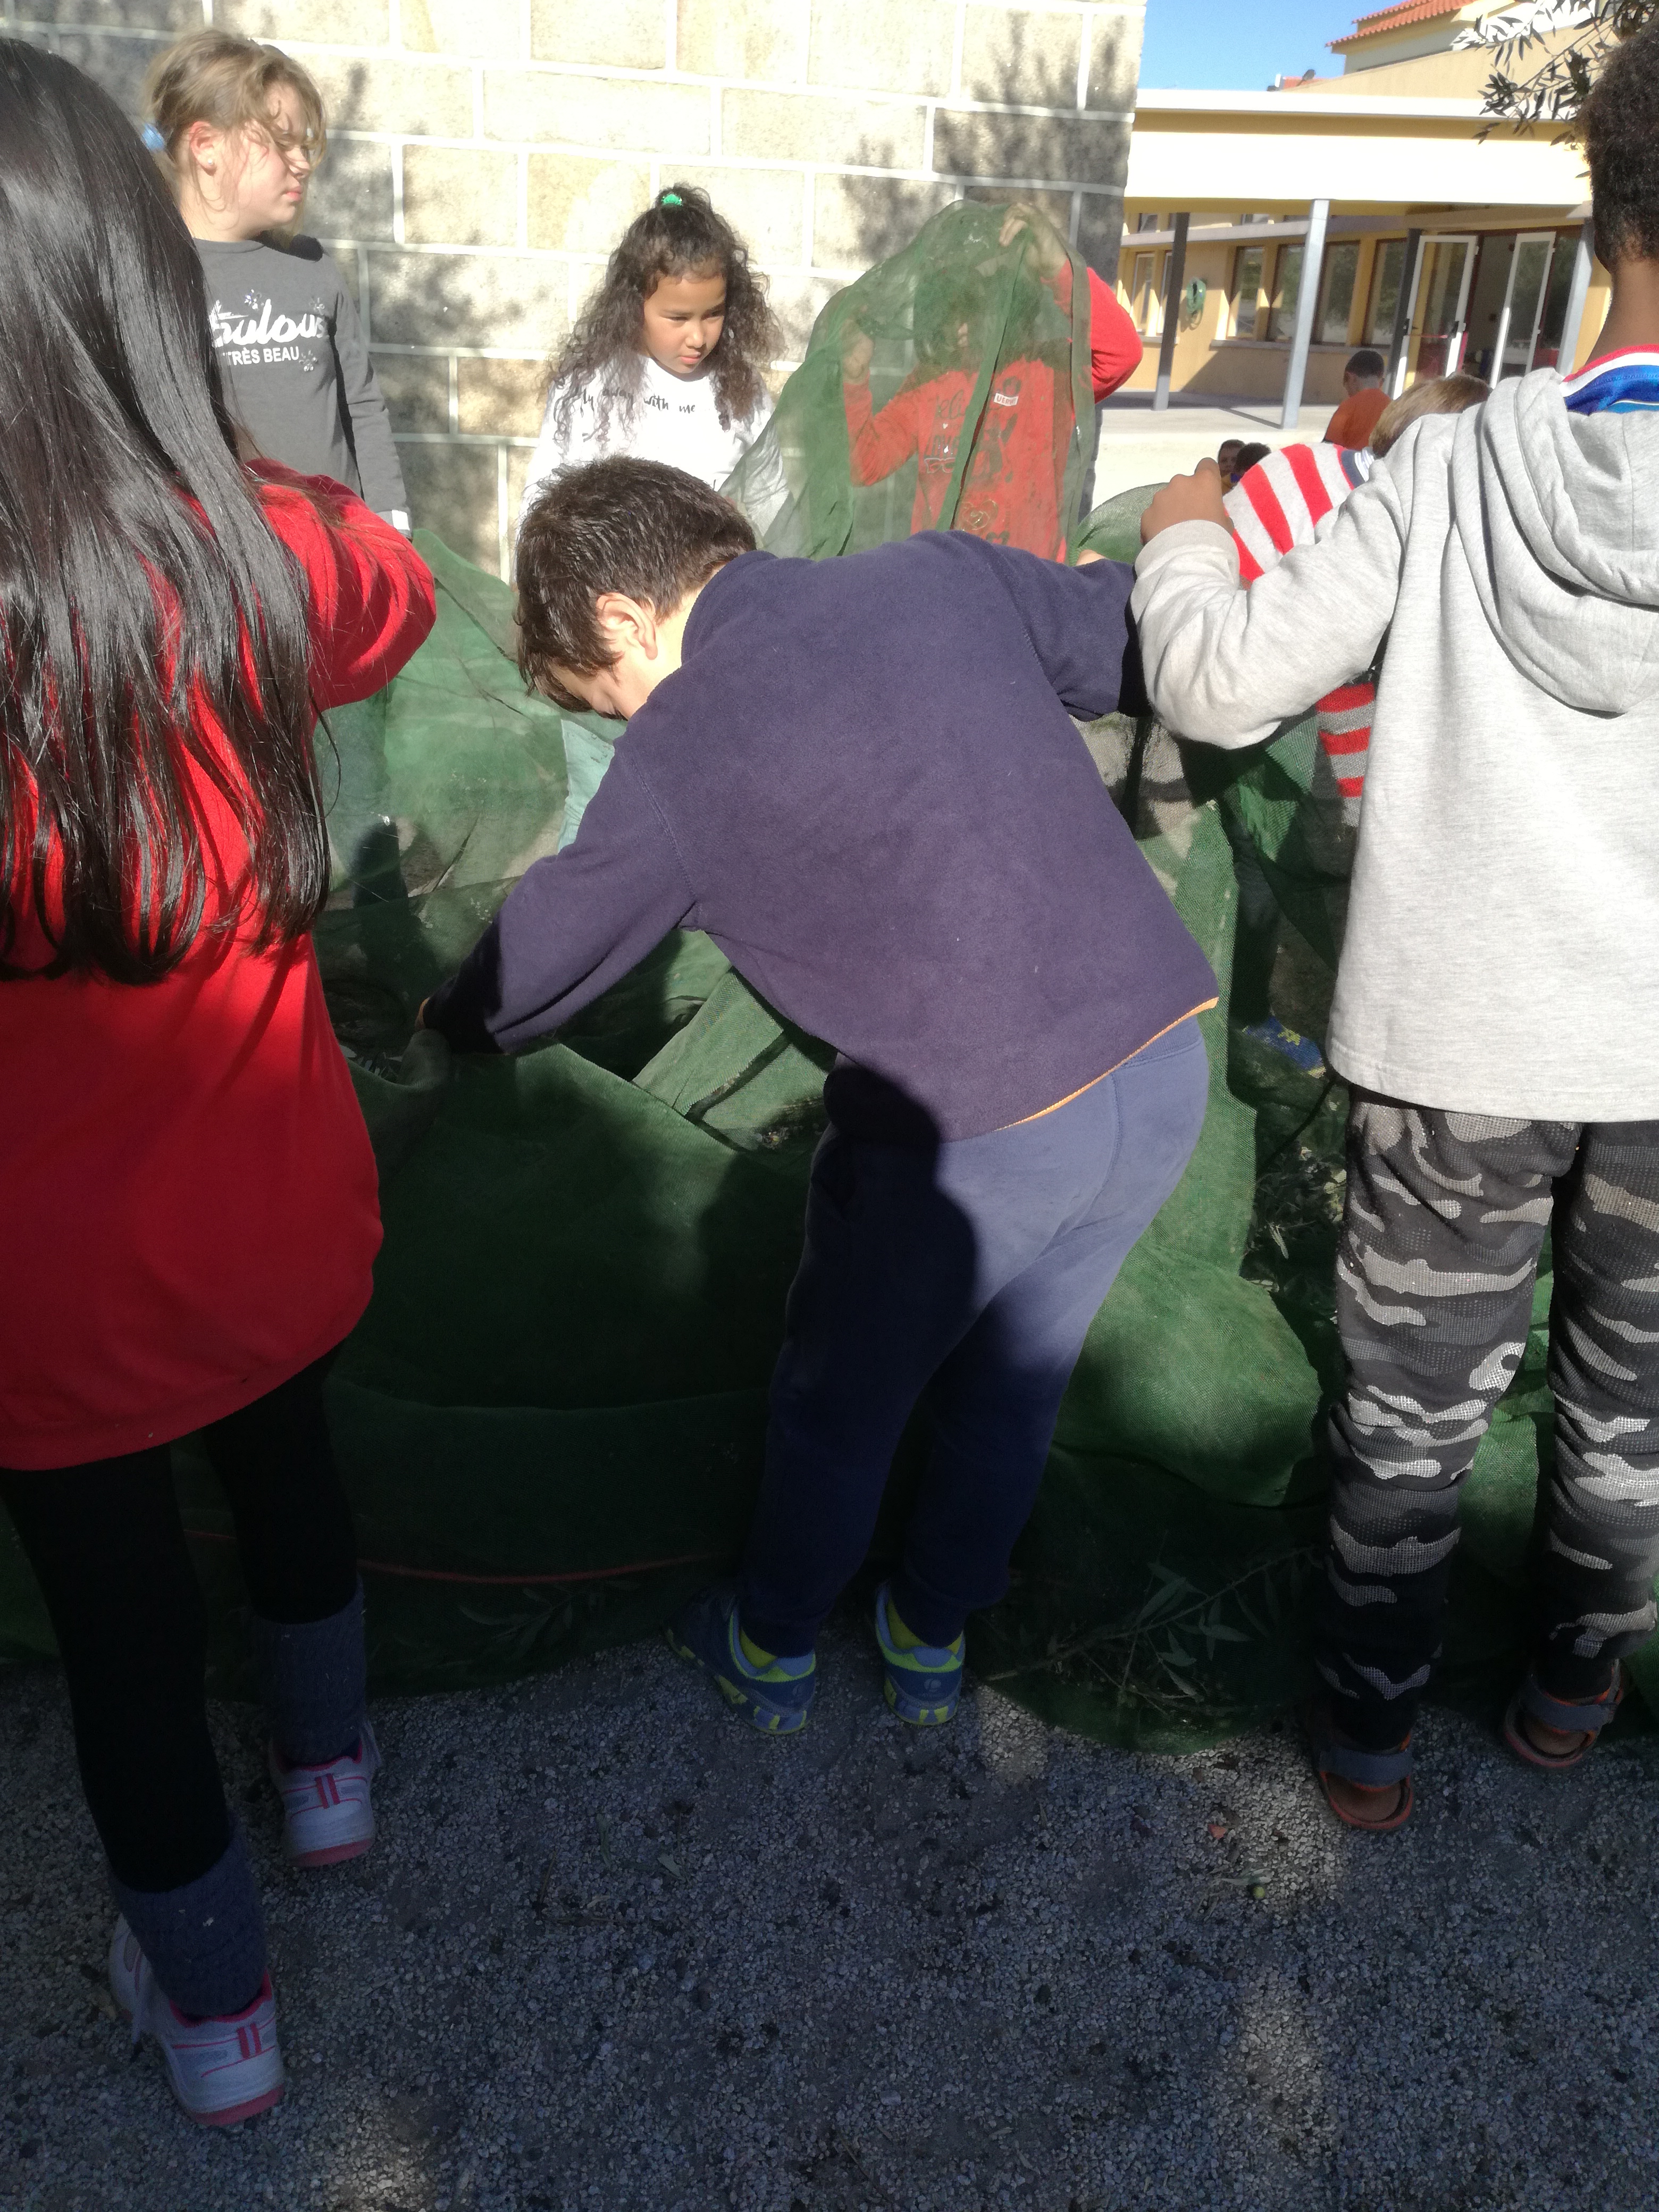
<point>777,1697</point>
<point>1290,1044</point>
<point>923,1684</point>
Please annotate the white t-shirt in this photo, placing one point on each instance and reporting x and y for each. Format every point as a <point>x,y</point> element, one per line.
<point>673,419</point>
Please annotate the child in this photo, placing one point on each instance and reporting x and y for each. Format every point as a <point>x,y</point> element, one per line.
<point>239,130</point>
<point>803,776</point>
<point>1497,999</point>
<point>189,1199</point>
<point>1357,417</point>
<point>1246,458</point>
<point>1010,493</point>
<point>666,362</point>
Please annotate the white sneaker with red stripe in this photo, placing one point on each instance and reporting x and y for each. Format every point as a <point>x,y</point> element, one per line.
<point>326,1814</point>
<point>223,2071</point>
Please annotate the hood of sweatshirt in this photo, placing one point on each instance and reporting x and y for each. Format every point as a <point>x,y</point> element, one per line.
<point>1558,518</point>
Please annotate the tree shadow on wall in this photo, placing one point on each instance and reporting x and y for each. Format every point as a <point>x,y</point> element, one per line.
<point>1008,148</point>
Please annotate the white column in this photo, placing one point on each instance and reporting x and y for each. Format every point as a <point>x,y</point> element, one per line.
<point>1175,283</point>
<point>1306,302</point>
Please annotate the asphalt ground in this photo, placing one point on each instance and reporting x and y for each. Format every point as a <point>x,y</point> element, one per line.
<point>616,1953</point>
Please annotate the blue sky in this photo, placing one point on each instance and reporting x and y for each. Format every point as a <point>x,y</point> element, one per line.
<point>1238,45</point>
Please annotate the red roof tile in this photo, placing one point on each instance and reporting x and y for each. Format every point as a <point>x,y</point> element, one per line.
<point>1397,19</point>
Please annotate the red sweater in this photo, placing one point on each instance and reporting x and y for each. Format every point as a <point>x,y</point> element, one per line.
<point>187,1186</point>
<point>1011,493</point>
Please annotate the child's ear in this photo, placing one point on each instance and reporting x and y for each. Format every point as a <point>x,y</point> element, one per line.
<point>205,145</point>
<point>625,622</point>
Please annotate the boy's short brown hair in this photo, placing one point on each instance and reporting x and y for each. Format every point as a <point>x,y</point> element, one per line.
<point>650,532</point>
<point>1437,395</point>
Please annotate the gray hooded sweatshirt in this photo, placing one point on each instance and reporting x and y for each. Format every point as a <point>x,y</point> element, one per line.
<point>1502,954</point>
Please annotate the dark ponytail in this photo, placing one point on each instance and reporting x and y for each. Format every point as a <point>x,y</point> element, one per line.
<point>141,590</point>
<point>679,234</point>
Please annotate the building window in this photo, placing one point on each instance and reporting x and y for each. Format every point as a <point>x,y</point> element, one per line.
<point>1147,295</point>
<point>1336,293</point>
<point>1388,275</point>
<point>1247,290</point>
<point>1149,220</point>
<point>1287,283</point>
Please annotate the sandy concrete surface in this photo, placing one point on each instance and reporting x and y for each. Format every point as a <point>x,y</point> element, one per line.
<point>1140,447</point>
<point>616,1953</point>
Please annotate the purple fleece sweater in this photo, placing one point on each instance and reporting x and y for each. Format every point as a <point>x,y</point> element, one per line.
<point>865,784</point>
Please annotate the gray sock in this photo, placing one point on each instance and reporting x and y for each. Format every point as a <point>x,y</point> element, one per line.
<point>207,1941</point>
<point>312,1678</point>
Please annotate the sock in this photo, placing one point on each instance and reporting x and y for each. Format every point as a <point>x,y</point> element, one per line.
<point>206,1941</point>
<point>906,1639</point>
<point>312,1677</point>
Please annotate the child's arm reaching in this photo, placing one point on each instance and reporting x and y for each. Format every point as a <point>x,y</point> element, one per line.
<point>573,925</point>
<point>371,426</point>
<point>1077,621</point>
<point>1227,665</point>
<point>878,444</point>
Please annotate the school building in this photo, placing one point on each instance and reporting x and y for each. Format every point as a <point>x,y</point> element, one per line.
<point>1384,210</point>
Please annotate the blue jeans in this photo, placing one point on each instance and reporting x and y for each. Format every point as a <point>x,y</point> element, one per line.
<point>969,1273</point>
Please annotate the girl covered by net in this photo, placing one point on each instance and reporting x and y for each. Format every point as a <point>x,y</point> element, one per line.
<point>1009,488</point>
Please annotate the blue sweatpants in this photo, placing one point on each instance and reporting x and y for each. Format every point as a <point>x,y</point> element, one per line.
<point>968,1274</point>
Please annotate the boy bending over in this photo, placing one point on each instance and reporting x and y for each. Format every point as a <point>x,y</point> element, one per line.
<point>1497,1009</point>
<point>860,777</point>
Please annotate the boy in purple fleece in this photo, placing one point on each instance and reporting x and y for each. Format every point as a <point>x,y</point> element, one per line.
<point>861,778</point>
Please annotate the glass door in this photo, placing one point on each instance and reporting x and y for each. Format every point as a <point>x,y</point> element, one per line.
<point>1523,304</point>
<point>1442,300</point>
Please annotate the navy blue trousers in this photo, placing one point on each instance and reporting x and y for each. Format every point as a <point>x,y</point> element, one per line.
<point>967,1273</point>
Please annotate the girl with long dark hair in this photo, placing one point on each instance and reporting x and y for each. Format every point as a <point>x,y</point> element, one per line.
<point>666,362</point>
<point>187,1186</point>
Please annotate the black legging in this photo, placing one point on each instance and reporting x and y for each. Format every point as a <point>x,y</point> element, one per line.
<point>108,1550</point>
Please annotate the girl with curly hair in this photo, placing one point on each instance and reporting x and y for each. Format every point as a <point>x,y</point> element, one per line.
<point>665,363</point>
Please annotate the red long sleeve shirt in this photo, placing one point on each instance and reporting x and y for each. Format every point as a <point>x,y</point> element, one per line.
<point>1011,493</point>
<point>187,1186</point>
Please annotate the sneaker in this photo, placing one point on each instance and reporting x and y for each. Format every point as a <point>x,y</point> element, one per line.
<point>326,1814</point>
<point>776,1699</point>
<point>223,2071</point>
<point>923,1685</point>
<point>1290,1044</point>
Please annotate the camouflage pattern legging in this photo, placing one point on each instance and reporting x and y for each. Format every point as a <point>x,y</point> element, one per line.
<point>1444,1219</point>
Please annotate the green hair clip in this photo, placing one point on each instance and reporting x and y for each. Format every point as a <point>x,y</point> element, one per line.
<point>670,199</point>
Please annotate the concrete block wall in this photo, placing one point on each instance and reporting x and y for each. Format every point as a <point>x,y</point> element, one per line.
<point>485,155</point>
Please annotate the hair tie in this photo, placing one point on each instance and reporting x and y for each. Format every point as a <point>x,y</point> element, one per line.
<point>670,199</point>
<point>152,139</point>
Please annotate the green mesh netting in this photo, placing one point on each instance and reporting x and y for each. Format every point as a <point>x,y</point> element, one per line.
<point>551,1417</point>
<point>948,388</point>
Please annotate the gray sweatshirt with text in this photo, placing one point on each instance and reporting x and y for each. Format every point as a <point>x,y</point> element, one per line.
<point>296,372</point>
<point>1502,954</point>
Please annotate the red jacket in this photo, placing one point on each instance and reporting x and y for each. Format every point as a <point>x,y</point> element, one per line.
<point>187,1188</point>
<point>1011,493</point>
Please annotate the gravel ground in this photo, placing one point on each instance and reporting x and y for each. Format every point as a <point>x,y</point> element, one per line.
<point>614,1952</point>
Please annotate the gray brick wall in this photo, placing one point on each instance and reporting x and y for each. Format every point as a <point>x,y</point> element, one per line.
<point>485,153</point>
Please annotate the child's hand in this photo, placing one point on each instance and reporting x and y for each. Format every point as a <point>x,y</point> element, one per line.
<point>1048,247</point>
<point>1197,498</point>
<point>858,350</point>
